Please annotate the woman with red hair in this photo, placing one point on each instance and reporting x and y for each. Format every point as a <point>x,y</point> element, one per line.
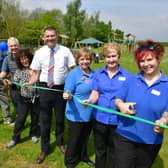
<point>143,95</point>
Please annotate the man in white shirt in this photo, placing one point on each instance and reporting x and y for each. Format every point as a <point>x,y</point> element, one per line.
<point>51,100</point>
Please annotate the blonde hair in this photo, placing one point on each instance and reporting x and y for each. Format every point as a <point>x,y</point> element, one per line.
<point>109,46</point>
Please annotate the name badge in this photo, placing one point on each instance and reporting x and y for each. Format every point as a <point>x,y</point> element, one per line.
<point>121,78</point>
<point>155,92</point>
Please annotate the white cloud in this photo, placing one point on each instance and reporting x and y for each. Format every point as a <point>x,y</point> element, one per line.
<point>45,4</point>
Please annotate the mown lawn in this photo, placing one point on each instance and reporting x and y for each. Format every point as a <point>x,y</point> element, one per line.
<point>25,153</point>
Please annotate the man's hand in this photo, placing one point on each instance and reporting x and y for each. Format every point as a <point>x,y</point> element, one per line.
<point>7,83</point>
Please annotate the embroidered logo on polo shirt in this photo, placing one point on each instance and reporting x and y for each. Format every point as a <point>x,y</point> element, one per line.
<point>87,81</point>
<point>121,78</point>
<point>155,92</point>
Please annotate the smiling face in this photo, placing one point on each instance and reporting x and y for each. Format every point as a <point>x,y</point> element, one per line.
<point>13,46</point>
<point>25,61</point>
<point>111,52</point>
<point>83,59</point>
<point>149,64</point>
<point>50,37</point>
<point>84,62</point>
<point>112,59</point>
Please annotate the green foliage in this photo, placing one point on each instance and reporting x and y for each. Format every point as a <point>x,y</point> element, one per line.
<point>89,25</point>
<point>116,36</point>
<point>12,18</point>
<point>93,27</point>
<point>165,44</point>
<point>27,25</point>
<point>102,31</point>
<point>73,20</point>
<point>33,29</point>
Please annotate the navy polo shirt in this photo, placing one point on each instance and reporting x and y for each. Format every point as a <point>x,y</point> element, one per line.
<point>108,88</point>
<point>151,102</point>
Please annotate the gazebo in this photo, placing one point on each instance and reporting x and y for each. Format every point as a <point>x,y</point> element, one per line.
<point>90,42</point>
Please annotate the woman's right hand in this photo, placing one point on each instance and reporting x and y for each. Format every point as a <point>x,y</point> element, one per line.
<point>127,107</point>
<point>67,96</point>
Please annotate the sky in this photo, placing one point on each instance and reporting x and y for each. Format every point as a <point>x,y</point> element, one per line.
<point>146,19</point>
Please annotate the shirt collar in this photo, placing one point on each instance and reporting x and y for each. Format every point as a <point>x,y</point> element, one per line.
<point>119,70</point>
<point>81,72</point>
<point>163,77</point>
<point>55,48</point>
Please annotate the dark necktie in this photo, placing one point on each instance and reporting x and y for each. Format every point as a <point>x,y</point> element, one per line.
<point>50,81</point>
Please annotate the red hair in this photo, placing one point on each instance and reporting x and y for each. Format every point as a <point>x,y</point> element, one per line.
<point>149,47</point>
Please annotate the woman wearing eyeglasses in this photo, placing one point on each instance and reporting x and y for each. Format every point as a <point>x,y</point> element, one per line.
<point>137,143</point>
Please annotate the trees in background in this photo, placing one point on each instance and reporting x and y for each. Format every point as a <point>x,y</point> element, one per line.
<point>12,18</point>
<point>74,19</point>
<point>33,28</point>
<point>28,25</point>
<point>93,27</point>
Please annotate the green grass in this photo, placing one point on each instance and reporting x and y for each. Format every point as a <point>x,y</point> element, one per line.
<point>25,153</point>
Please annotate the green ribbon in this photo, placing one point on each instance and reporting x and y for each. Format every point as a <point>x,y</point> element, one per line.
<point>119,113</point>
<point>107,110</point>
<point>36,87</point>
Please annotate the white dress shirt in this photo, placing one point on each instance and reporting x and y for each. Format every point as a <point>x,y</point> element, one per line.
<point>63,60</point>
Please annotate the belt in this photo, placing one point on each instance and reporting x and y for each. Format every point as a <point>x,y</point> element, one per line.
<point>44,84</point>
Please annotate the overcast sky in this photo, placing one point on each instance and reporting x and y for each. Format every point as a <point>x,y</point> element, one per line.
<point>147,19</point>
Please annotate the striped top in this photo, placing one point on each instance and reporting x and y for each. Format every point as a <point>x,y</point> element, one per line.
<point>9,65</point>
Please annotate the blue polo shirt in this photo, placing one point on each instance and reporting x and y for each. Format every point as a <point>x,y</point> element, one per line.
<point>108,88</point>
<point>79,85</point>
<point>151,102</point>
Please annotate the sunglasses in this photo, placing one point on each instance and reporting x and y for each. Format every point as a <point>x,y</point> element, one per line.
<point>150,47</point>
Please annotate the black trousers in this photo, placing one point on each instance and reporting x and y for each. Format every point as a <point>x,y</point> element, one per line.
<point>77,142</point>
<point>51,101</point>
<point>104,145</point>
<point>130,154</point>
<point>24,107</point>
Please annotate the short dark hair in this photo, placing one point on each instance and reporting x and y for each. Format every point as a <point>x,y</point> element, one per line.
<point>50,28</point>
